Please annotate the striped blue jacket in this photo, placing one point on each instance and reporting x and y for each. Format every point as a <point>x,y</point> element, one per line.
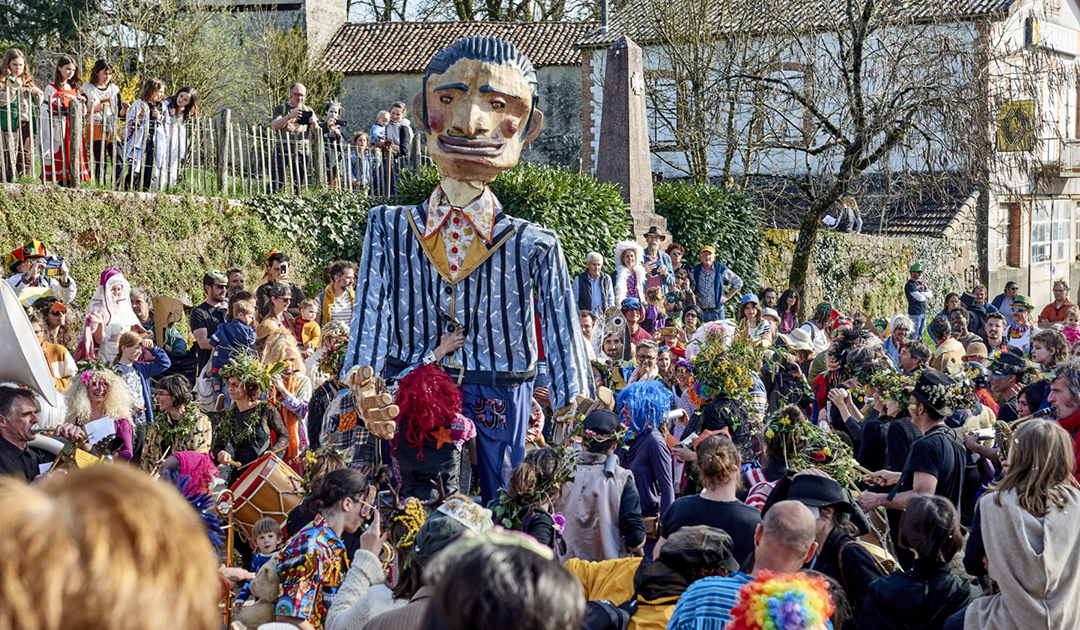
<point>405,300</point>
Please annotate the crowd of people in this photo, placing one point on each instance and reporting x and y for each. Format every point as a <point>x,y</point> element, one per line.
<point>690,485</point>
<point>727,465</point>
<point>144,145</point>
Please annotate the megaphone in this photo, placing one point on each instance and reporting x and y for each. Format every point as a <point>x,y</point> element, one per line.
<point>24,362</point>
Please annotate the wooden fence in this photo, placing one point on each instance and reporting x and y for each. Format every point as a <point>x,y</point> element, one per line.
<point>204,156</point>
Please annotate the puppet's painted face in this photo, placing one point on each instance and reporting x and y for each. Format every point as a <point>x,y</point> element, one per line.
<point>476,113</point>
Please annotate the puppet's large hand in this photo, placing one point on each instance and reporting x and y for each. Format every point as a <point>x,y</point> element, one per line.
<point>373,403</point>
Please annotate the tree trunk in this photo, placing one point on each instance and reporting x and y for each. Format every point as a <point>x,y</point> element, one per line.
<point>804,249</point>
<point>808,232</point>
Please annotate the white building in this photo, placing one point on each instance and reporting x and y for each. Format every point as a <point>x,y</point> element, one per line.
<point>1021,222</point>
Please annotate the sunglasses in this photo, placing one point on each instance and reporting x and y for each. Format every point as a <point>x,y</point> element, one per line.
<point>665,349</point>
<point>1018,310</point>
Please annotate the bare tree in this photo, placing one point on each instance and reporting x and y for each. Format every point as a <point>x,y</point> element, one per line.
<point>703,54</point>
<point>882,86</point>
<point>193,44</point>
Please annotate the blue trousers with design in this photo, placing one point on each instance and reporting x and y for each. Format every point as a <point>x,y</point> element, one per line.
<point>501,415</point>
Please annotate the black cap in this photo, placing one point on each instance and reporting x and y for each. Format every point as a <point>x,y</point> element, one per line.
<point>1007,364</point>
<point>818,491</point>
<point>928,390</point>
<point>602,422</point>
<point>699,546</point>
<point>655,232</point>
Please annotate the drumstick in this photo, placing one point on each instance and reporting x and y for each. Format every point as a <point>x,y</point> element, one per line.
<point>238,467</point>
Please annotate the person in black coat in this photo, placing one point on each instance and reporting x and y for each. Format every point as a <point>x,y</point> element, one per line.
<point>839,521</point>
<point>924,597</point>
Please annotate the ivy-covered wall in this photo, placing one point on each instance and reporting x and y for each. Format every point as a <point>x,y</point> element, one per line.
<point>863,274</point>
<point>161,242</point>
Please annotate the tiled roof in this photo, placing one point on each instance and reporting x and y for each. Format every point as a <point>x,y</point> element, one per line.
<point>407,47</point>
<point>636,18</point>
<point>897,205</point>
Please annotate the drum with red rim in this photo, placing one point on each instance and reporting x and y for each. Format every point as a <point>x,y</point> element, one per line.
<point>268,488</point>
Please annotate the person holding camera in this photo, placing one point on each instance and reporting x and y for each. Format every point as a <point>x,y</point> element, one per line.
<point>294,122</point>
<point>277,270</point>
<point>334,145</point>
<point>658,266</point>
<point>31,267</point>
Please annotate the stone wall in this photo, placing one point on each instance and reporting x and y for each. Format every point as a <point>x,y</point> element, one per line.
<point>559,144</point>
<point>866,274</point>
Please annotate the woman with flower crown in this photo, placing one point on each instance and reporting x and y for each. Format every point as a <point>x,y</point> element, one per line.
<point>249,427</point>
<point>98,393</point>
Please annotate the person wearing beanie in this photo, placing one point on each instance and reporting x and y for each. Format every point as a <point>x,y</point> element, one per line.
<point>601,505</point>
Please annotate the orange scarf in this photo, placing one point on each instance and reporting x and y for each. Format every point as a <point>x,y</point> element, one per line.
<point>289,418</point>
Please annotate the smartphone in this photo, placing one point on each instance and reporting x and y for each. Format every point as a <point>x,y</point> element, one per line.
<point>304,118</point>
<point>384,501</point>
<point>689,440</point>
<point>284,268</point>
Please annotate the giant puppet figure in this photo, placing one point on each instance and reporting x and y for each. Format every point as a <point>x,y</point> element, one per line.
<point>456,264</point>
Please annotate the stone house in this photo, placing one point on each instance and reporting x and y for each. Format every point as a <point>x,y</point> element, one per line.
<point>319,19</point>
<point>384,62</point>
<point>1019,222</point>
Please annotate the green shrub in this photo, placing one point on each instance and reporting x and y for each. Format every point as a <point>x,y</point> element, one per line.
<point>325,225</point>
<point>700,214</point>
<point>586,214</point>
<point>164,244</point>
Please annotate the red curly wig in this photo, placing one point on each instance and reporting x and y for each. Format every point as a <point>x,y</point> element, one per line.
<point>428,399</point>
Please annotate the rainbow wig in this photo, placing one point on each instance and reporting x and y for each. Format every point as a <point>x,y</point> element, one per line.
<point>790,601</point>
<point>428,399</point>
<point>646,404</point>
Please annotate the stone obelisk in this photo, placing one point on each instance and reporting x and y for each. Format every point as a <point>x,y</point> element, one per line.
<point>623,157</point>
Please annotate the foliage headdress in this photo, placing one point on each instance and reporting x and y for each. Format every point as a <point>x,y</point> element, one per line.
<point>250,371</point>
<point>818,448</point>
<point>724,369</point>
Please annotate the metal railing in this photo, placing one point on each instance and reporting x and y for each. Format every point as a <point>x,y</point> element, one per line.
<point>57,143</point>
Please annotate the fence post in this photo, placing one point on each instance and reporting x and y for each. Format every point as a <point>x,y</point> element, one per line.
<point>224,137</point>
<point>75,124</point>
<point>320,158</point>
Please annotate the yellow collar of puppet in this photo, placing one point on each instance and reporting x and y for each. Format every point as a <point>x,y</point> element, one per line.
<point>480,213</point>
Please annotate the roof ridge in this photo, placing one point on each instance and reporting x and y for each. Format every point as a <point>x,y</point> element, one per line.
<point>412,44</point>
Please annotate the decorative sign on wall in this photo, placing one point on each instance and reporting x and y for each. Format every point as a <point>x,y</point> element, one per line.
<point>1016,128</point>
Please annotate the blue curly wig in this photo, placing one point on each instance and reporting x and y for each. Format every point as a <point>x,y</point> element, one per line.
<point>648,403</point>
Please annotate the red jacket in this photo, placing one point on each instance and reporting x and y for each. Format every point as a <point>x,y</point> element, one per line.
<point>1072,425</point>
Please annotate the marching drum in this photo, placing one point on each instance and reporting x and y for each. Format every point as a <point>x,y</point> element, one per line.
<point>269,488</point>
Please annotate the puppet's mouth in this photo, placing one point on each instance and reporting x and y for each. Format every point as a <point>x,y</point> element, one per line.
<point>481,148</point>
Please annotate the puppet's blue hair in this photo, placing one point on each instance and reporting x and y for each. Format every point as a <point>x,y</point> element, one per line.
<point>648,403</point>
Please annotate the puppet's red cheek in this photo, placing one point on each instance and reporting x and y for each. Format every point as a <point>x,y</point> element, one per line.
<point>435,120</point>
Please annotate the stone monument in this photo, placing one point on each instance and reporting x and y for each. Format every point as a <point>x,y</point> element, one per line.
<point>623,157</point>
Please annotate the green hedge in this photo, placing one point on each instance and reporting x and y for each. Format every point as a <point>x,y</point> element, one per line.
<point>164,244</point>
<point>726,218</point>
<point>325,226</point>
